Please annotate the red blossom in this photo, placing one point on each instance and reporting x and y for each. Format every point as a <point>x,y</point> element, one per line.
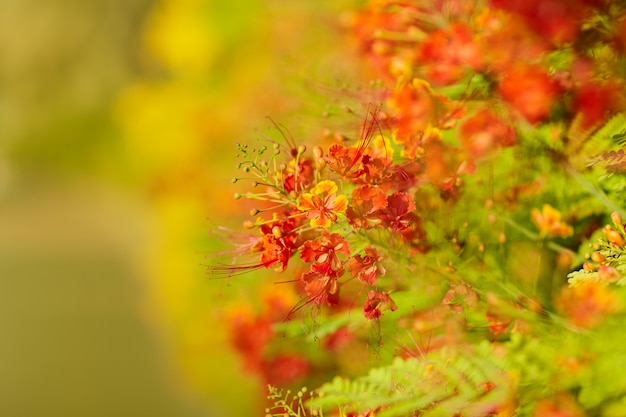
<point>324,251</point>
<point>557,20</point>
<point>285,369</point>
<point>277,244</point>
<point>395,18</point>
<point>367,267</point>
<point>595,101</point>
<point>342,160</point>
<point>300,180</point>
<point>414,235</point>
<point>376,303</point>
<point>484,132</point>
<point>250,336</point>
<point>448,52</point>
<point>530,91</point>
<point>396,216</point>
<point>339,338</point>
<point>505,39</point>
<point>276,252</point>
<point>320,288</point>
<point>375,170</point>
<point>403,177</point>
<point>366,200</point>
<point>415,108</point>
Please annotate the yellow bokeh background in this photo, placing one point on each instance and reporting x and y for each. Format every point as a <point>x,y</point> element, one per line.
<point>117,128</point>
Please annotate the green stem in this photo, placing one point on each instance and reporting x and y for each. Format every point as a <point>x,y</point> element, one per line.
<point>549,244</point>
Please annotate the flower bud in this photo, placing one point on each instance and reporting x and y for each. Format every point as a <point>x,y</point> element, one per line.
<point>318,152</point>
<point>277,232</point>
<point>614,237</point>
<point>597,257</point>
<point>617,220</point>
<point>589,267</point>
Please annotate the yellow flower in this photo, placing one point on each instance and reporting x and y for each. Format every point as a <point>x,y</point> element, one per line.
<point>549,223</point>
<point>322,204</point>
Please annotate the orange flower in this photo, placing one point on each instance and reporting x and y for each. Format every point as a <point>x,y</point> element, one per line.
<point>587,304</point>
<point>322,204</point>
<point>549,223</point>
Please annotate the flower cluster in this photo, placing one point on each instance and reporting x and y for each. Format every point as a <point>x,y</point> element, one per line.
<point>428,219</point>
<point>302,213</point>
<point>540,58</point>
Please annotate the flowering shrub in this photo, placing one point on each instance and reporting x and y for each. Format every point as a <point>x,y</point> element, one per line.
<point>455,257</point>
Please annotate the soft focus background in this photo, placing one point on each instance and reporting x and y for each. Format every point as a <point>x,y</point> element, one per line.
<point>117,124</point>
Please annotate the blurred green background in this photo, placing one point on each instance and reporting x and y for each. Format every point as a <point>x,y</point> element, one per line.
<point>117,123</point>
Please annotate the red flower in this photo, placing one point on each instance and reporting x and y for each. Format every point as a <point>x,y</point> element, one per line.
<point>301,179</point>
<point>277,244</point>
<point>249,335</point>
<point>338,339</point>
<point>396,216</point>
<point>558,20</point>
<point>320,288</point>
<point>484,132</point>
<point>367,267</point>
<point>415,107</point>
<point>366,200</point>
<point>505,39</point>
<point>285,369</point>
<point>595,101</point>
<point>448,52</point>
<point>375,170</point>
<point>343,160</point>
<point>376,303</point>
<point>414,234</point>
<point>530,91</point>
<point>324,251</point>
